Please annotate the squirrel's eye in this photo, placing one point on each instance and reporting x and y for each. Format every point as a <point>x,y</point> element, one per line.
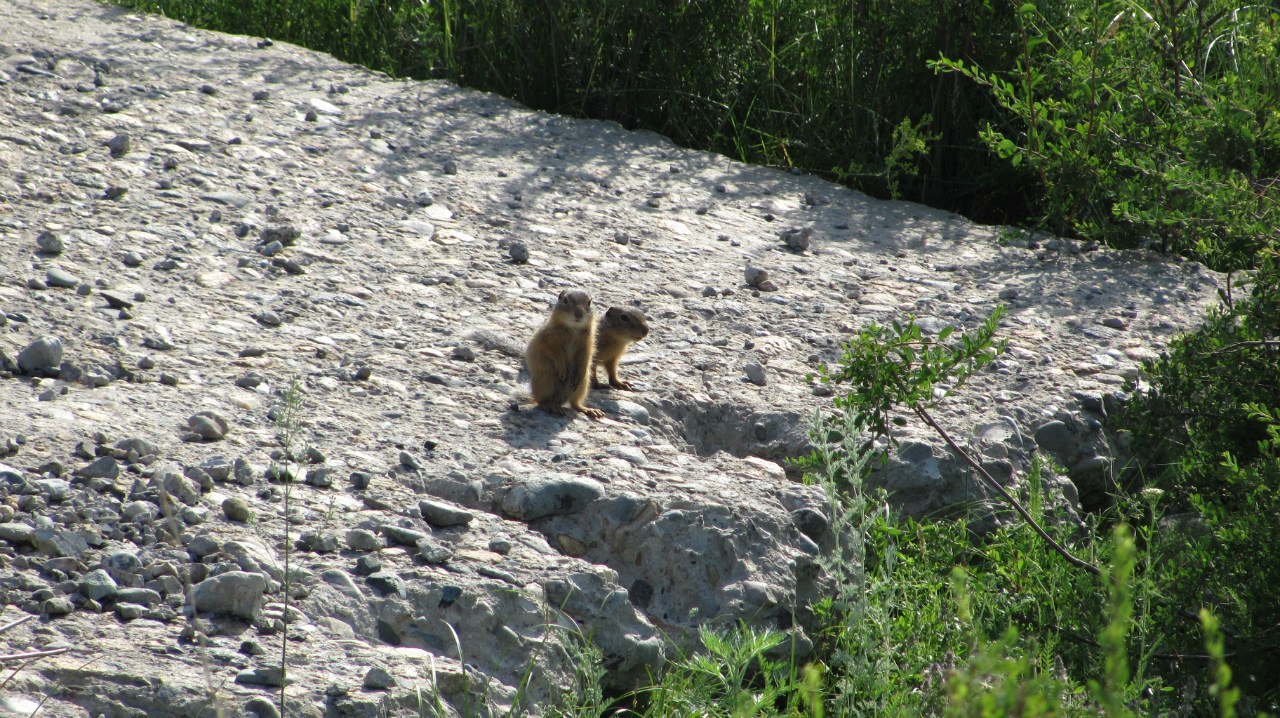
<point>626,319</point>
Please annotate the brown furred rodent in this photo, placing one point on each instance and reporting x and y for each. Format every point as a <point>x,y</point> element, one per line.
<point>614,333</point>
<point>559,355</point>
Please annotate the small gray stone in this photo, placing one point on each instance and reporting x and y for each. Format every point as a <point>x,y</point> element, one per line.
<point>252,380</point>
<point>271,676</point>
<point>1088,402</point>
<point>200,476</point>
<point>138,446</point>
<point>401,535</point>
<point>41,357</point>
<point>285,234</point>
<point>217,467</point>
<point>138,595</point>
<point>50,243</point>
<point>116,300</point>
<point>1056,438</point>
<point>798,239</point>
<point>104,467</point>
<point>122,566</point>
<point>208,425</point>
<point>129,611</point>
<point>98,585</point>
<point>9,474</point>
<point>168,478</point>
<point>321,476</point>
<point>271,249</point>
<point>318,542</point>
<point>57,606</point>
<point>409,461</point>
<point>120,145</point>
<point>194,515</point>
<point>159,343</point>
<point>630,454</point>
<point>262,707</point>
<point>237,509</point>
<point>811,523</point>
<point>756,276</point>
<point>58,277</point>
<point>755,373</point>
<point>378,678</point>
<point>54,542</point>
<point>229,198</point>
<point>636,412</point>
<point>363,540</point>
<point>243,472</point>
<point>434,552</point>
<point>140,511</point>
<point>519,252</point>
<point>385,582</point>
<point>424,229</point>
<point>203,545</point>
<point>1115,323</point>
<point>16,533</point>
<point>234,593</point>
<point>367,565</point>
<point>441,514</point>
<point>268,318</point>
<point>132,259</point>
<point>537,498</point>
<point>55,490</point>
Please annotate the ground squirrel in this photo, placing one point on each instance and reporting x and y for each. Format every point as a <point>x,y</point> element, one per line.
<point>559,355</point>
<point>620,327</point>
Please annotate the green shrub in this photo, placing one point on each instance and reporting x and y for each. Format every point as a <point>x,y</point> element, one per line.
<point>1206,431</point>
<point>1153,125</point>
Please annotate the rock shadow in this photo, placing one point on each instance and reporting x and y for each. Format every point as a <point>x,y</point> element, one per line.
<point>527,427</point>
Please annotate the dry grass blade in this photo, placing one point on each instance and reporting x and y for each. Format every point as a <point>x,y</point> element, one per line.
<point>26,655</point>
<point>33,654</point>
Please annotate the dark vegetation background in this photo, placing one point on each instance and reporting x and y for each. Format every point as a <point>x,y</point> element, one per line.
<point>1149,124</point>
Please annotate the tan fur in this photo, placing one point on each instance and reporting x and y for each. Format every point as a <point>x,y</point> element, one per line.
<point>620,327</point>
<point>559,355</point>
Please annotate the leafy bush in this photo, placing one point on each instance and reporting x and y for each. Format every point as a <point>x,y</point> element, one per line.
<point>1206,431</point>
<point>1156,126</point>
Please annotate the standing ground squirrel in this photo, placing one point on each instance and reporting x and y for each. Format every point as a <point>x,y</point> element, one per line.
<point>559,355</point>
<point>620,327</point>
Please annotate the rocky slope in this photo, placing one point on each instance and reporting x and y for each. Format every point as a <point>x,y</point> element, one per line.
<point>190,222</point>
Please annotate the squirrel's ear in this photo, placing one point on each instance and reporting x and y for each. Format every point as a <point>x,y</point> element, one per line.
<point>561,295</point>
<point>613,312</point>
